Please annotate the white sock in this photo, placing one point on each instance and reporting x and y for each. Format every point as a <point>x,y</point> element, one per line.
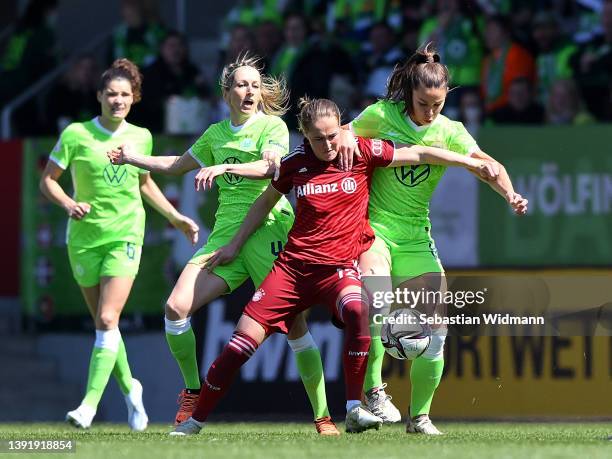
<point>302,344</point>
<point>108,339</point>
<point>177,327</point>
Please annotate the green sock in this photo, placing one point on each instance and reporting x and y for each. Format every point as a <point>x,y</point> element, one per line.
<point>425,376</point>
<point>100,368</point>
<point>373,377</point>
<point>183,348</point>
<point>310,367</point>
<point>121,370</point>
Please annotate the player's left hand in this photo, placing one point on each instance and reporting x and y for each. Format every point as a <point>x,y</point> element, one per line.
<point>488,170</point>
<point>207,175</point>
<point>273,158</point>
<point>346,146</point>
<point>222,256</point>
<point>185,224</point>
<point>518,203</point>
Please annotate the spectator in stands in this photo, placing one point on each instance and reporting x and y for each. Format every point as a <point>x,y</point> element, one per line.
<point>522,106</point>
<point>592,66</point>
<point>565,107</point>
<point>268,40</point>
<point>171,74</point>
<point>378,63</point>
<point>295,44</point>
<point>470,111</point>
<point>505,62</point>
<point>458,40</point>
<point>73,98</point>
<point>553,53</point>
<point>139,36</point>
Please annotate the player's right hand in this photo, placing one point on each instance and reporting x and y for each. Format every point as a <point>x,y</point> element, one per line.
<point>120,154</point>
<point>488,170</point>
<point>518,203</point>
<point>221,256</point>
<point>346,146</point>
<point>78,210</point>
<point>206,176</point>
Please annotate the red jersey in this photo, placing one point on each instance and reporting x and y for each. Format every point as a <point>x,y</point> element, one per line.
<point>331,222</point>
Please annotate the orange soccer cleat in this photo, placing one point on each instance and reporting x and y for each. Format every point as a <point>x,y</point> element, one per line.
<point>325,426</point>
<point>187,403</point>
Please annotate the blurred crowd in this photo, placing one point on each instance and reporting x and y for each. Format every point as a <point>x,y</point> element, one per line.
<point>511,61</point>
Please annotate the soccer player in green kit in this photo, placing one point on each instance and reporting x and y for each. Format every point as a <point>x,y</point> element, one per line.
<point>106,229</point>
<point>253,132</point>
<point>399,214</point>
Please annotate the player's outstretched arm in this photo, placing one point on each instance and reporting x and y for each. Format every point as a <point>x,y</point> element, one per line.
<point>407,154</point>
<point>170,165</point>
<point>256,170</point>
<point>503,186</point>
<point>54,192</point>
<point>156,199</point>
<point>255,217</point>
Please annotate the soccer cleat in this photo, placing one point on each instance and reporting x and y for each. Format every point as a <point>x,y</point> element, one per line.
<point>423,425</point>
<point>137,416</point>
<point>81,417</point>
<point>359,419</point>
<point>379,404</point>
<point>325,426</point>
<point>187,403</point>
<point>188,427</point>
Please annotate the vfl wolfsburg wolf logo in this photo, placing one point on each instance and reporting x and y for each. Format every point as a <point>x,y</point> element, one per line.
<point>232,179</point>
<point>412,175</point>
<point>115,175</point>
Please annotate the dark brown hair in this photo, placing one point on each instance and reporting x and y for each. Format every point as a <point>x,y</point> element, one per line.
<point>123,68</point>
<point>423,68</point>
<point>313,109</point>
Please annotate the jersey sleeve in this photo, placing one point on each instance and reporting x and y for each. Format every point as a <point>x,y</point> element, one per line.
<point>369,122</point>
<point>275,138</point>
<point>147,147</point>
<point>461,141</point>
<point>284,183</point>
<point>376,152</point>
<point>201,150</point>
<point>62,151</point>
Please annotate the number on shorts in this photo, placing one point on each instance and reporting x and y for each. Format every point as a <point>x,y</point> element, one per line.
<point>276,248</point>
<point>130,250</point>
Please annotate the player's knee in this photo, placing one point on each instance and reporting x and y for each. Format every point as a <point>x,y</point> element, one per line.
<point>176,309</point>
<point>107,320</point>
<point>435,350</point>
<point>298,329</point>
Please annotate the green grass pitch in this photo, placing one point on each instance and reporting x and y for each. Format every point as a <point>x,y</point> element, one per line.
<point>297,440</point>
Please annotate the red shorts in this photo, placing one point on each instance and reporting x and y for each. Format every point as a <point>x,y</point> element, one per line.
<point>293,286</point>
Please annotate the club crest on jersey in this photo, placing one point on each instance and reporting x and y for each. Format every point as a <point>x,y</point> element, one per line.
<point>412,175</point>
<point>377,147</point>
<point>246,143</point>
<point>115,175</point>
<point>258,295</point>
<point>232,179</point>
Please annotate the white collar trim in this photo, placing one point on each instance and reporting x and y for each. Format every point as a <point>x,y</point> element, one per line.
<point>418,128</point>
<point>120,129</point>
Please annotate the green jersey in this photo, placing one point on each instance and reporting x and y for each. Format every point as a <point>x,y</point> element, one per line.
<point>223,143</point>
<point>113,192</point>
<point>400,195</point>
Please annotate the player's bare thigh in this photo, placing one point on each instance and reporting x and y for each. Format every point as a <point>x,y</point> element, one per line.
<point>194,288</point>
<point>372,263</point>
<point>251,328</point>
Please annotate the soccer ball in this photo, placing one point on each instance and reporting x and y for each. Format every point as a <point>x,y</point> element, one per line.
<point>403,336</point>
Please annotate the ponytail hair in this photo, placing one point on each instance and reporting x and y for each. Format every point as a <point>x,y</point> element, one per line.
<point>313,109</point>
<point>423,68</point>
<point>274,92</point>
<point>126,69</point>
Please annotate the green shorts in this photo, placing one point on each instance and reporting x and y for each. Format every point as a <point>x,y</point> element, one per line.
<point>411,256</point>
<point>256,257</point>
<point>117,259</point>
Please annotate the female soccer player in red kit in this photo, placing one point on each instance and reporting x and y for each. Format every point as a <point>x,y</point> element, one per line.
<point>319,262</point>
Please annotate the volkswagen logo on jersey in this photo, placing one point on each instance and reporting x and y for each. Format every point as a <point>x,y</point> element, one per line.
<point>115,175</point>
<point>349,185</point>
<point>232,179</point>
<point>412,175</point>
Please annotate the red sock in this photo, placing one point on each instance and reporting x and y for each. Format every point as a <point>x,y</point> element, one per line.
<point>222,372</point>
<point>356,343</point>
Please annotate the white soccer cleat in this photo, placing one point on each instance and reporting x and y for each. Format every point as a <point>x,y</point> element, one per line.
<point>188,427</point>
<point>422,424</point>
<point>359,419</point>
<point>137,416</point>
<point>379,404</point>
<point>81,417</point>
